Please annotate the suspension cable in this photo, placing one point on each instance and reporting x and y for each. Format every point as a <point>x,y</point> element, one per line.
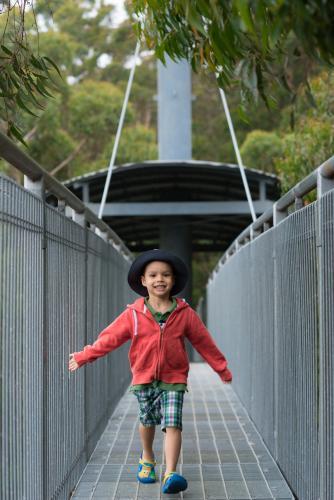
<point>237,153</point>
<point>118,133</point>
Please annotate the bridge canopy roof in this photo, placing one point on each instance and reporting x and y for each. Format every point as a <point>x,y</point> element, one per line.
<point>177,181</point>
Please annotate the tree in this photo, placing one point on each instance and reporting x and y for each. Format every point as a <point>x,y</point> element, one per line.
<point>312,140</point>
<point>260,149</point>
<point>211,136</point>
<point>137,142</point>
<point>26,78</point>
<point>73,131</point>
<point>241,40</point>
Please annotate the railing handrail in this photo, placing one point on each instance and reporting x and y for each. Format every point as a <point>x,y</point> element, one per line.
<point>29,167</point>
<point>317,179</point>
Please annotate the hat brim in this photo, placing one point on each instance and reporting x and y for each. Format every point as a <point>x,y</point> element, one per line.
<point>137,268</point>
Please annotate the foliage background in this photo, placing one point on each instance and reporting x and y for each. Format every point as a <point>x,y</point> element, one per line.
<point>72,132</point>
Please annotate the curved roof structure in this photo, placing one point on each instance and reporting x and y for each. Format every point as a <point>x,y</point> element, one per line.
<point>141,193</point>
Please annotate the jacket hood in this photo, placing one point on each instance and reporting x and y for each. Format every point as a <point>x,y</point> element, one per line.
<point>140,306</point>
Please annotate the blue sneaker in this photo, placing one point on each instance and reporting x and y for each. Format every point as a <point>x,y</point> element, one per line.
<point>146,472</point>
<point>173,483</point>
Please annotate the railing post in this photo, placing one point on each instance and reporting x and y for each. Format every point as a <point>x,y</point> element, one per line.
<point>68,211</point>
<point>324,184</point>
<point>278,215</point>
<point>35,187</point>
<point>298,203</point>
<point>38,189</point>
<point>102,234</point>
<point>79,218</point>
<point>61,206</point>
<point>86,387</point>
<point>254,232</point>
<point>275,364</point>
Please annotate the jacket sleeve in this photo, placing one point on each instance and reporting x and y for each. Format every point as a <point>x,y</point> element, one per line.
<point>201,339</point>
<point>112,337</point>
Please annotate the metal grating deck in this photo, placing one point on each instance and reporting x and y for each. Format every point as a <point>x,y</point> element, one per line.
<point>222,456</point>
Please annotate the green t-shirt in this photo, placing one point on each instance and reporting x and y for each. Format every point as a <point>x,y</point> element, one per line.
<point>158,316</point>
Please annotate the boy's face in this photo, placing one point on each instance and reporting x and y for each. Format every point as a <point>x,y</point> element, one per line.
<point>159,279</point>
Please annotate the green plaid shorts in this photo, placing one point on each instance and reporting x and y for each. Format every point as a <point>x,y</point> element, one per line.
<point>158,406</point>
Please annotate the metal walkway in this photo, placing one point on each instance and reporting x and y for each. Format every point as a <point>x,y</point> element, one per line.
<point>222,456</point>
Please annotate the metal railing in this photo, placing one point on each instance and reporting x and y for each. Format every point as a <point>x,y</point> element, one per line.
<point>60,285</point>
<point>269,304</point>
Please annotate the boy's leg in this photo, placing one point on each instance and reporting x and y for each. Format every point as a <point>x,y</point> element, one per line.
<point>149,416</point>
<point>173,442</point>
<point>172,404</point>
<point>147,438</point>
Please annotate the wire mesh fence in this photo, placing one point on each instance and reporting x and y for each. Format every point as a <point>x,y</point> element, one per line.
<point>326,344</point>
<point>270,308</point>
<point>60,284</point>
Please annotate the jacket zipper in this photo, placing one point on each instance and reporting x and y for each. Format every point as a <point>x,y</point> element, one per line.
<point>159,352</point>
<point>160,345</point>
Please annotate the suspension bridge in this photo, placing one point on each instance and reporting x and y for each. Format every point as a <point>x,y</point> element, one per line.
<point>268,304</point>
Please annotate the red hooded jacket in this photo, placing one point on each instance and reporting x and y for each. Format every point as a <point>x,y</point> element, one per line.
<point>156,353</point>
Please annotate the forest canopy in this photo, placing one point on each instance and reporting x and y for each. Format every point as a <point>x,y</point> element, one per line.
<point>64,67</point>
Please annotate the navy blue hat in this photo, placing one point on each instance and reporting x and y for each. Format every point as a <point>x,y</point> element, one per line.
<point>139,264</point>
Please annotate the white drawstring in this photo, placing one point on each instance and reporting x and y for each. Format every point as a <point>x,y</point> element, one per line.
<point>135,321</point>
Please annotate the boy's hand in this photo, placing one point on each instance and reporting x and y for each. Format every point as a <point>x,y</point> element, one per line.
<point>226,376</point>
<point>72,364</point>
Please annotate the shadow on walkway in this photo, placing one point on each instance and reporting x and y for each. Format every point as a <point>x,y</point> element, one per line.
<point>222,456</point>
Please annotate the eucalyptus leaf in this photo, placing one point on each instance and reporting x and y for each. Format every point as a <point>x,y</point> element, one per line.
<point>13,131</point>
<point>23,106</point>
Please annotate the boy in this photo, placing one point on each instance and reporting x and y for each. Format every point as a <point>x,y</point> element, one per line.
<point>157,325</point>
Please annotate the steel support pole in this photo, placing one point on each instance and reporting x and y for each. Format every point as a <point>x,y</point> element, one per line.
<point>175,236</point>
<point>174,135</point>
<point>174,110</point>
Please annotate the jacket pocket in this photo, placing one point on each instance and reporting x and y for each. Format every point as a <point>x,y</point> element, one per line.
<point>175,354</point>
<point>142,358</point>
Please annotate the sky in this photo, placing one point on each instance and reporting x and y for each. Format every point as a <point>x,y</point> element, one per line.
<point>119,13</point>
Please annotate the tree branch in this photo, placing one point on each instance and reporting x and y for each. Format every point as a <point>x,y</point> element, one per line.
<point>29,135</point>
<point>69,158</point>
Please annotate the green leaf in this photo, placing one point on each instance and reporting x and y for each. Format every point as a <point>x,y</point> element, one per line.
<point>243,114</point>
<point>195,19</point>
<point>23,106</point>
<point>13,131</point>
<point>22,45</point>
<point>6,50</point>
<point>35,62</point>
<point>54,65</point>
<point>246,16</point>
<point>42,90</point>
<point>15,82</point>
